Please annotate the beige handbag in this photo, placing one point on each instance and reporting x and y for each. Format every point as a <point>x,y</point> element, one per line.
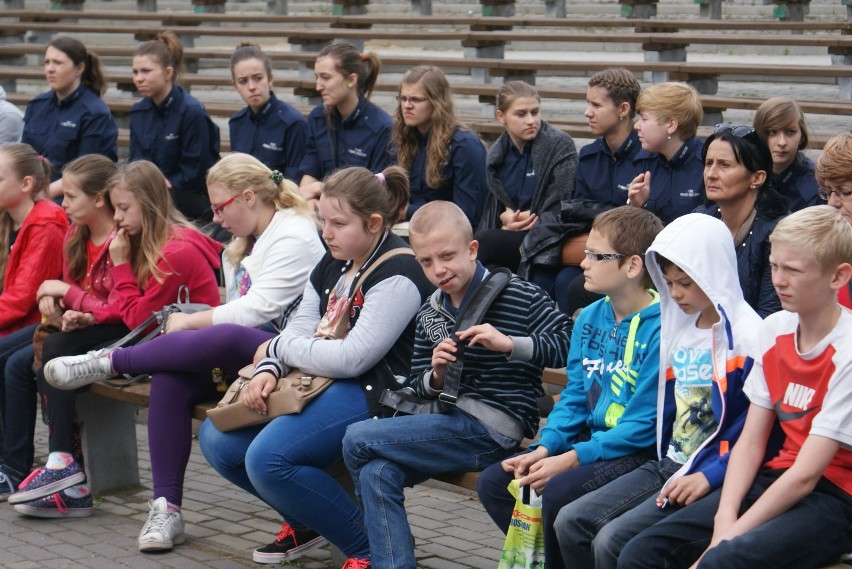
<point>295,390</point>
<point>291,394</point>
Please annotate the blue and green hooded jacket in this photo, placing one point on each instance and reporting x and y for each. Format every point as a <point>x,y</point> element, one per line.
<point>607,409</point>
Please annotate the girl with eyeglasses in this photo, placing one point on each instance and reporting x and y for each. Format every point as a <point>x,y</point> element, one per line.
<point>445,161</point>
<point>737,167</point>
<point>346,129</point>
<point>781,122</point>
<point>671,186</point>
<point>268,128</point>
<point>529,170</point>
<point>834,174</point>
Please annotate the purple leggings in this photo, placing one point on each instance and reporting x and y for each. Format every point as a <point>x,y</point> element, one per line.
<point>181,364</point>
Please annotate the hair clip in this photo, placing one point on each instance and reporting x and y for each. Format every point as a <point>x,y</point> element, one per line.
<point>363,57</point>
<point>276,177</point>
<point>381,177</point>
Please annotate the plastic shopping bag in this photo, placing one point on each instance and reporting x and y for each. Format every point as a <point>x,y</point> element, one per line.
<point>524,545</point>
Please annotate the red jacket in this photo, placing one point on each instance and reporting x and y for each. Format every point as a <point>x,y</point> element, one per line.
<point>35,258</point>
<point>189,258</point>
<point>95,300</point>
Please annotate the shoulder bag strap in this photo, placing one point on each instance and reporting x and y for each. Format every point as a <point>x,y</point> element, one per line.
<point>483,297</point>
<point>343,323</point>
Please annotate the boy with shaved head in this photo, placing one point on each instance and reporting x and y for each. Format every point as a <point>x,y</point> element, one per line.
<point>521,333</point>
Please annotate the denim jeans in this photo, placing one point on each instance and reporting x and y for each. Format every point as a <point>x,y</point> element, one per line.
<point>560,490</point>
<point>593,529</point>
<point>283,462</point>
<point>17,401</point>
<point>813,533</point>
<point>386,455</point>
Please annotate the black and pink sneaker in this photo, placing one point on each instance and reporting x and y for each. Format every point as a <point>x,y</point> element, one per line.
<point>46,481</point>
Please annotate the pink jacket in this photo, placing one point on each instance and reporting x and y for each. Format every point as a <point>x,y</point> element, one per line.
<point>95,299</point>
<point>189,258</point>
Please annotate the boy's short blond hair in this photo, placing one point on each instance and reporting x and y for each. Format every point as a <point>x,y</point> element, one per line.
<point>630,230</point>
<point>440,214</point>
<point>822,231</point>
<point>673,101</point>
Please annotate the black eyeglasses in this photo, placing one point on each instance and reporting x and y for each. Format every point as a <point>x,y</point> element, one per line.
<point>597,257</point>
<point>740,130</point>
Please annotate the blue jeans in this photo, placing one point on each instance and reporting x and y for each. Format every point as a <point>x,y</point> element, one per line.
<point>17,400</point>
<point>283,462</point>
<point>593,529</point>
<point>813,533</point>
<point>562,489</point>
<point>386,455</point>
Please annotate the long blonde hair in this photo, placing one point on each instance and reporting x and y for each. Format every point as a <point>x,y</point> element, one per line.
<point>91,173</point>
<point>443,124</point>
<point>240,172</point>
<point>159,217</point>
<point>24,161</point>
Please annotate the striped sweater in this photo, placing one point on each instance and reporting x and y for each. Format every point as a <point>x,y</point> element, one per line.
<point>508,382</point>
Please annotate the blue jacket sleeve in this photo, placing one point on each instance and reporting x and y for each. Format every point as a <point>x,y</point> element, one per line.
<point>295,143</point>
<point>636,429</point>
<point>468,171</point>
<point>310,165</point>
<point>98,135</point>
<point>569,415</point>
<point>199,134</point>
<point>381,156</point>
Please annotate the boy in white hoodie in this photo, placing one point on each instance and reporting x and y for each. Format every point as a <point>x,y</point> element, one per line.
<point>707,330</point>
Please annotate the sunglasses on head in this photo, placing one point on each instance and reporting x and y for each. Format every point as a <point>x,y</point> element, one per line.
<point>740,130</point>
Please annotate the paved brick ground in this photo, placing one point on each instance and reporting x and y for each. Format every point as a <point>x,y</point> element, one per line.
<point>224,524</point>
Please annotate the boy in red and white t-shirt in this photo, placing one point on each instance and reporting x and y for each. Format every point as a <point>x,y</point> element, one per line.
<point>794,510</point>
<point>798,509</point>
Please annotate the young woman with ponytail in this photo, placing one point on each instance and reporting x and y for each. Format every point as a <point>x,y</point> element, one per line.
<point>71,119</point>
<point>346,129</point>
<point>170,127</point>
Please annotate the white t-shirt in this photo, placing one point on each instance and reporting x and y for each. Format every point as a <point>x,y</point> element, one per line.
<point>692,366</point>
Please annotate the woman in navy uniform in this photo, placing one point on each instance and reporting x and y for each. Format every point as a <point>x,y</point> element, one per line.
<point>347,129</point>
<point>70,120</point>
<point>269,129</point>
<point>171,128</point>
<point>445,161</point>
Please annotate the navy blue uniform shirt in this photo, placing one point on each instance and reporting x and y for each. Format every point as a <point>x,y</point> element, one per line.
<point>362,139</point>
<point>517,173</point>
<point>178,136</point>
<point>604,176</point>
<point>463,176</point>
<point>78,125</point>
<point>276,135</point>
<point>798,184</point>
<point>677,185</point>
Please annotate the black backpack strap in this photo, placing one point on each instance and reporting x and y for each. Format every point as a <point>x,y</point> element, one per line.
<point>405,400</point>
<point>483,297</point>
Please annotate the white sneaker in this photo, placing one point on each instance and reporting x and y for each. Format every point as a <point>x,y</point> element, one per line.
<point>74,372</point>
<point>163,530</point>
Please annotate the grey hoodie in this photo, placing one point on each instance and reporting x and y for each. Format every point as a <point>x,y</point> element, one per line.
<point>11,120</point>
